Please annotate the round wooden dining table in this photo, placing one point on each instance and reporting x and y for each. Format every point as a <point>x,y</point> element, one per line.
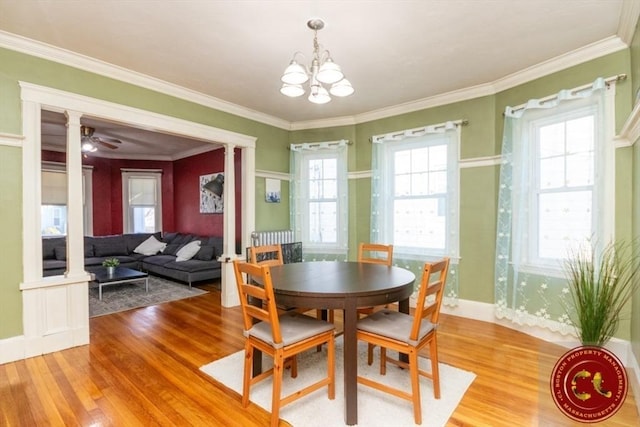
<point>344,286</point>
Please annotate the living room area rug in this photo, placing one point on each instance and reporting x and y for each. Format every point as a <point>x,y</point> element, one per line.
<point>125,296</point>
<point>374,408</point>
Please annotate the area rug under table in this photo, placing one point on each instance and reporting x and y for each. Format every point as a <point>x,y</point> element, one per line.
<point>125,296</point>
<point>374,408</point>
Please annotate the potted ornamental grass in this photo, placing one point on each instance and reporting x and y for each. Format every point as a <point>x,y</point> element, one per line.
<point>600,284</point>
<point>111,264</point>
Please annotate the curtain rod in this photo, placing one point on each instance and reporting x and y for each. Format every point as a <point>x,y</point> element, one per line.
<point>607,81</point>
<point>318,144</point>
<point>417,131</point>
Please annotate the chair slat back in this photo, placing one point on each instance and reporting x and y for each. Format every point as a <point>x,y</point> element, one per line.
<point>434,278</point>
<point>266,310</point>
<point>266,255</point>
<point>375,253</point>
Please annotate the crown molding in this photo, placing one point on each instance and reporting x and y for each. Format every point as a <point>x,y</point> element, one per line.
<point>587,53</point>
<point>628,20</point>
<point>63,56</point>
<point>612,44</point>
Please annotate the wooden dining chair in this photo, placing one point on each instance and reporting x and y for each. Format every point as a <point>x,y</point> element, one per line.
<point>373,253</point>
<point>408,334</point>
<point>266,255</point>
<point>279,336</point>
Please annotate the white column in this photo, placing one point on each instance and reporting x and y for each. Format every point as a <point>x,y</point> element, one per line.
<point>31,193</point>
<point>229,297</point>
<point>248,194</point>
<point>75,217</point>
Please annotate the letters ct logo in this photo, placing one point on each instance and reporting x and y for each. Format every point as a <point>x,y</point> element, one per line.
<point>589,384</point>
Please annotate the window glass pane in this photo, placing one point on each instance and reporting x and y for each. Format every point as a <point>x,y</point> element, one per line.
<point>420,160</point>
<point>551,140</point>
<point>552,173</point>
<point>144,220</point>
<point>438,157</point>
<point>54,220</point>
<point>580,169</point>
<point>402,185</point>
<point>419,184</point>
<point>330,189</point>
<point>438,182</point>
<point>580,134</point>
<point>419,223</point>
<point>323,222</point>
<point>329,168</point>
<point>565,219</point>
<point>402,162</point>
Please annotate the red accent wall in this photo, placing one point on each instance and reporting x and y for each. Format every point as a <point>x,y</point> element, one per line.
<point>188,218</point>
<point>180,192</point>
<point>107,190</point>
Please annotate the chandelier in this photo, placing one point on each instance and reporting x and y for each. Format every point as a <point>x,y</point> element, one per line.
<point>322,71</point>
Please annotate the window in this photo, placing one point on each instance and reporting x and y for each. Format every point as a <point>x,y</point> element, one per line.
<point>53,209</point>
<point>141,201</point>
<point>319,194</point>
<point>563,180</point>
<point>414,187</point>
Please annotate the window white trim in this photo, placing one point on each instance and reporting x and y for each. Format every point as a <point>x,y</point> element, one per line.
<point>383,175</point>
<point>301,155</point>
<point>127,212</point>
<point>603,187</point>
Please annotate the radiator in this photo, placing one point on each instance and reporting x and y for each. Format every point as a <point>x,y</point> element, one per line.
<point>259,238</point>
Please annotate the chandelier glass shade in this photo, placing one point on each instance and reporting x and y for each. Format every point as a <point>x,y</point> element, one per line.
<point>323,71</point>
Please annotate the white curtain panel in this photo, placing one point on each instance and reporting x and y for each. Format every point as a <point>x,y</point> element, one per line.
<point>413,255</point>
<point>528,291</point>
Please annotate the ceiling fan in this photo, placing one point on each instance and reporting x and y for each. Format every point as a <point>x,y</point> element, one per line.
<point>90,143</point>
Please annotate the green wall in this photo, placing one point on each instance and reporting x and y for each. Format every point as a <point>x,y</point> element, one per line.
<point>11,251</point>
<point>480,138</point>
<point>270,149</point>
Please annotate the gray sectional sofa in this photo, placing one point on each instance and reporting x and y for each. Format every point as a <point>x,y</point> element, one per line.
<point>203,265</point>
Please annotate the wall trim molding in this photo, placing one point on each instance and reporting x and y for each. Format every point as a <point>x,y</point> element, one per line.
<point>630,131</point>
<point>11,140</point>
<point>272,175</point>
<point>595,50</point>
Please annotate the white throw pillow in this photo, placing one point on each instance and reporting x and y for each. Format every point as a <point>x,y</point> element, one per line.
<point>151,246</point>
<point>188,251</point>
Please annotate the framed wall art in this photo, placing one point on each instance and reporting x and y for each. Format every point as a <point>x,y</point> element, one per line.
<point>211,191</point>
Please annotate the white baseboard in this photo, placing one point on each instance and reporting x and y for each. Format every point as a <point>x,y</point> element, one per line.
<point>12,349</point>
<point>485,312</point>
<point>621,348</point>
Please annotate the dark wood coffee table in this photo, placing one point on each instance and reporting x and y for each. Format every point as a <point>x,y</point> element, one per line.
<point>121,275</point>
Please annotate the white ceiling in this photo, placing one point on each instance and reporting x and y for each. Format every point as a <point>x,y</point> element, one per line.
<point>399,55</point>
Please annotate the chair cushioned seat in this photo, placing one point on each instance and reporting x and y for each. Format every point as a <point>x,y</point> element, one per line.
<point>294,327</point>
<point>394,325</point>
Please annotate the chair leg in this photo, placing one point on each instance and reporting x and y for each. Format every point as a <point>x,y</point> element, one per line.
<point>278,362</point>
<point>246,381</point>
<point>415,385</point>
<point>331,368</point>
<point>435,370</point>
<point>383,361</point>
<point>294,366</point>
<point>370,348</point>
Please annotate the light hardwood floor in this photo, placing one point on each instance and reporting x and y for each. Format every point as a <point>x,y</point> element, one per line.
<point>142,369</point>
